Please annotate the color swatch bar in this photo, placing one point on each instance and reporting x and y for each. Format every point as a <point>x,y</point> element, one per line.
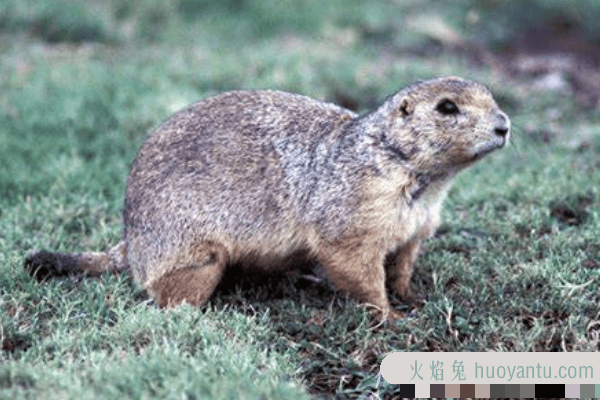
<point>495,391</point>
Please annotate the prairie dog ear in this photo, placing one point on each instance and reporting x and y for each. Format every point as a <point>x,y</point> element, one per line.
<point>406,107</point>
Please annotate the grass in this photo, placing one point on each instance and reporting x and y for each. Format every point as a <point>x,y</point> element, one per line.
<point>514,267</point>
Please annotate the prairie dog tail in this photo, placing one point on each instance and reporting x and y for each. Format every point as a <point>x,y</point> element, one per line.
<point>44,264</point>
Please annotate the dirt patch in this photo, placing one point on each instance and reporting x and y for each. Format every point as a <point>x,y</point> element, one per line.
<point>14,344</point>
<point>567,214</point>
<point>555,56</point>
<point>571,211</point>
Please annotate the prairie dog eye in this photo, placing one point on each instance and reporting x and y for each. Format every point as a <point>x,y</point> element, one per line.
<point>447,107</point>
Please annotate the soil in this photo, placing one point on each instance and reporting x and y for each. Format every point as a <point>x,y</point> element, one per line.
<point>557,56</point>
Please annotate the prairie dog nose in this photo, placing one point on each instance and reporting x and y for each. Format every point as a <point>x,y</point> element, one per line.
<point>502,127</point>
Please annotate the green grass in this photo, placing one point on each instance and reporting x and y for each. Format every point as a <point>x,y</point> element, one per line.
<point>514,267</point>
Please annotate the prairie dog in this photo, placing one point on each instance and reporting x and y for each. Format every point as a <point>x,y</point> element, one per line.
<point>270,180</point>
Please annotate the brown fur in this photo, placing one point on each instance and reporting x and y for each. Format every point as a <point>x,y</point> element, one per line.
<point>270,180</point>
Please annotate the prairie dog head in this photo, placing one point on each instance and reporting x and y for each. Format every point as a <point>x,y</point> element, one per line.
<point>445,124</point>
